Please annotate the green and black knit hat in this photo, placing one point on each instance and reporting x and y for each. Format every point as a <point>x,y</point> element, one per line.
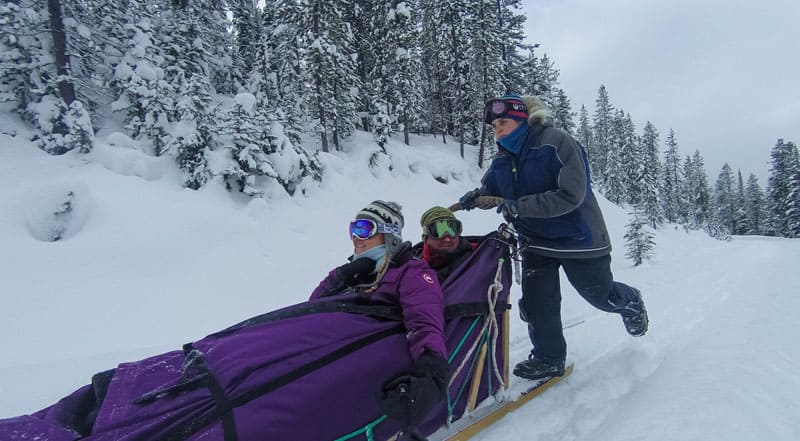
<point>432,215</point>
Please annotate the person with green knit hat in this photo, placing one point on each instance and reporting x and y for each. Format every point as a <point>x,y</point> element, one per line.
<point>442,245</point>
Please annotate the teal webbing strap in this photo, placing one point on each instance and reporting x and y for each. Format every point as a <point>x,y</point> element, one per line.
<point>463,339</point>
<point>450,405</point>
<point>470,372</point>
<point>366,430</point>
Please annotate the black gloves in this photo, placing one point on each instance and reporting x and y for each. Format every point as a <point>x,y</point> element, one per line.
<point>409,396</point>
<point>469,199</point>
<point>355,272</point>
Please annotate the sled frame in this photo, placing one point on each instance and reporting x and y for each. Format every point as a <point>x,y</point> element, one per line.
<point>484,416</point>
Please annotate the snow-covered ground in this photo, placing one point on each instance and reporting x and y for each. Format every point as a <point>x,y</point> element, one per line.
<point>144,266</point>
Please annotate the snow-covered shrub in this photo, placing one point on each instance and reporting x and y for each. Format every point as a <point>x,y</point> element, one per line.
<point>58,211</point>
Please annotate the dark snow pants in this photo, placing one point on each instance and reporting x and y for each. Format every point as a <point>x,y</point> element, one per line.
<point>541,297</point>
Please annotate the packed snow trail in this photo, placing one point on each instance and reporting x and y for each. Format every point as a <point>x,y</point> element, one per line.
<point>716,352</point>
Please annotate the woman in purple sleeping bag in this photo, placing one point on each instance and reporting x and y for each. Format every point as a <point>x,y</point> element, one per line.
<point>383,267</point>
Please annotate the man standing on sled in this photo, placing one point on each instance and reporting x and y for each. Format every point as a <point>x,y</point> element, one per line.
<point>542,174</point>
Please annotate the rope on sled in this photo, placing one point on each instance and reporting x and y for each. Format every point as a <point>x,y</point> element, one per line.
<point>489,334</point>
<point>490,326</point>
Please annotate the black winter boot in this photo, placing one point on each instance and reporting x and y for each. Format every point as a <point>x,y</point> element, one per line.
<point>635,317</point>
<point>533,369</point>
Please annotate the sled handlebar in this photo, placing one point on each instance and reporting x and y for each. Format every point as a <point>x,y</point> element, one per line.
<point>482,202</point>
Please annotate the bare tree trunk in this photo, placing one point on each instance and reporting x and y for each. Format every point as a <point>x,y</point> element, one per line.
<point>504,53</point>
<point>406,138</point>
<point>459,83</point>
<point>65,86</point>
<point>441,113</point>
<point>318,87</point>
<point>482,148</point>
<point>335,122</point>
<point>322,121</point>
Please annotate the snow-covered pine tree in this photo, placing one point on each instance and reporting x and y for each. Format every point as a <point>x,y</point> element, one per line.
<point>94,34</point>
<point>453,29</point>
<point>248,38</point>
<point>330,60</point>
<point>188,74</point>
<point>546,87</point>
<point>139,82</point>
<point>286,61</point>
<point>671,180</point>
<point>639,240</point>
<point>584,136</point>
<point>436,60</point>
<point>247,128</point>
<point>650,177</point>
<point>624,185</point>
<point>62,120</point>
<point>218,42</point>
<point>261,80</point>
<point>616,175</point>
<point>698,192</point>
<point>511,27</point>
<point>22,53</point>
<point>394,93</point>
<point>632,160</point>
<point>404,67</point>
<point>740,207</point>
<point>367,20</point>
<point>63,128</point>
<point>27,76</point>
<point>486,73</point>
<point>793,200</point>
<point>603,122</point>
<point>724,200</point>
<point>781,188</point>
<point>754,205</point>
<point>563,116</point>
<point>530,71</point>
<point>370,20</point>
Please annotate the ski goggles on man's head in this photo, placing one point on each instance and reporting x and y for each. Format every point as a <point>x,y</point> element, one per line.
<point>444,227</point>
<point>504,108</point>
<point>366,228</point>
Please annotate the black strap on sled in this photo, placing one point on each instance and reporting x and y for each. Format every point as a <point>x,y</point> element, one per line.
<point>222,401</point>
<point>384,311</point>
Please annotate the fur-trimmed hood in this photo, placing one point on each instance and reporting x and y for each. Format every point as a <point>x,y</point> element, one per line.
<point>538,112</point>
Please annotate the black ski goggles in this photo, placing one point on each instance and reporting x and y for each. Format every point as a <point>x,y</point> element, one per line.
<point>366,228</point>
<point>499,108</point>
<point>443,227</point>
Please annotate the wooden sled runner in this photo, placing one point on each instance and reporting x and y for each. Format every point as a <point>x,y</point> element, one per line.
<point>484,416</point>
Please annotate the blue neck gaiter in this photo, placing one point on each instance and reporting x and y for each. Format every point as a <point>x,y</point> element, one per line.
<point>513,141</point>
<point>377,254</point>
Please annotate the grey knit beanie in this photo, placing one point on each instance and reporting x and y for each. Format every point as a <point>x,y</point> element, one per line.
<point>387,212</point>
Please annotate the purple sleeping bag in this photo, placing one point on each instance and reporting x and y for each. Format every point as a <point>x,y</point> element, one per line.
<point>309,371</point>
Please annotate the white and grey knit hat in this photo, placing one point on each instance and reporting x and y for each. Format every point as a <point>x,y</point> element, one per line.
<point>387,212</point>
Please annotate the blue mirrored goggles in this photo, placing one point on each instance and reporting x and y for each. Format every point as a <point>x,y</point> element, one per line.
<point>366,228</point>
